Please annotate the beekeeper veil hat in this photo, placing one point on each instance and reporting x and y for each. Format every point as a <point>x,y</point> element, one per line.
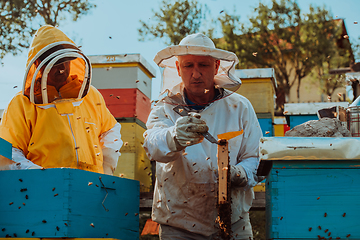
<point>196,44</point>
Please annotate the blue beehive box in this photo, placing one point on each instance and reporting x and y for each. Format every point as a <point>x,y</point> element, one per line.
<point>295,120</point>
<point>5,149</point>
<point>311,197</point>
<point>5,154</point>
<point>299,113</point>
<point>71,203</point>
<point>266,125</point>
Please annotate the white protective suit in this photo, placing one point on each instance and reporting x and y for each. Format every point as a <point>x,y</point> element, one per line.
<point>185,194</point>
<point>185,190</point>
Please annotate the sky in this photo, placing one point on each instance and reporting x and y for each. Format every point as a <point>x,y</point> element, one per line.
<point>112,28</point>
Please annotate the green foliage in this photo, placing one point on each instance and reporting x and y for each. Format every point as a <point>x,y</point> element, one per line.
<point>281,37</point>
<point>20,19</point>
<point>330,49</point>
<point>356,48</point>
<point>174,21</point>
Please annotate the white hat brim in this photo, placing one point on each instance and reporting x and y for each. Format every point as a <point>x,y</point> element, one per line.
<point>180,50</point>
<point>166,59</point>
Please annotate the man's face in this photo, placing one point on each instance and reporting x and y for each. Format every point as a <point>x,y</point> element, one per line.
<point>58,74</point>
<point>197,73</point>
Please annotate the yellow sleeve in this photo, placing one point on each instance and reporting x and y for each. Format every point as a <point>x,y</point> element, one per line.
<point>16,122</point>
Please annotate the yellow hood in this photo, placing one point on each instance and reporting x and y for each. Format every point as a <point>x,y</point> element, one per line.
<point>50,46</point>
<point>45,36</point>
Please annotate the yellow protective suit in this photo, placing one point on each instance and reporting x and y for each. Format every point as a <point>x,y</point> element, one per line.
<point>58,128</point>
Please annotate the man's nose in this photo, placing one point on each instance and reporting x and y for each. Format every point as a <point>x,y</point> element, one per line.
<point>196,72</point>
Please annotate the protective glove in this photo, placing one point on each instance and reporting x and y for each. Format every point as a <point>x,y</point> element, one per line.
<point>110,157</point>
<point>188,130</point>
<point>238,176</point>
<point>21,162</point>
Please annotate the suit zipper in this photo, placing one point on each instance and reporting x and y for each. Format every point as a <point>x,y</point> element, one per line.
<point>76,147</point>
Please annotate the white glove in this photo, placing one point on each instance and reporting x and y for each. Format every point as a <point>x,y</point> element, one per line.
<point>21,162</point>
<point>110,144</point>
<point>238,176</point>
<point>188,130</point>
<point>110,161</point>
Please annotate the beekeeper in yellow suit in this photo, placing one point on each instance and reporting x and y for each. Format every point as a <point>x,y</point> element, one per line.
<point>59,119</point>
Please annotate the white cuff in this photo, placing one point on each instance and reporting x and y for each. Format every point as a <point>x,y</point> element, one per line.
<point>111,144</point>
<point>21,162</point>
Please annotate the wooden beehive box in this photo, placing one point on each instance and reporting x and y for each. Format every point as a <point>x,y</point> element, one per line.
<point>127,103</point>
<point>133,162</point>
<point>266,124</point>
<point>280,126</point>
<point>5,153</point>
<point>313,195</point>
<point>299,113</point>
<point>258,85</point>
<point>67,203</point>
<point>122,71</point>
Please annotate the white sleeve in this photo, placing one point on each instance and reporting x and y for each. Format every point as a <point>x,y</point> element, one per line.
<point>111,143</point>
<point>248,156</point>
<point>158,139</point>
<point>21,162</point>
<point>250,166</point>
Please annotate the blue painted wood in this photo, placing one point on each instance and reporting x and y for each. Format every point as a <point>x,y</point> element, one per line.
<point>300,119</point>
<point>304,196</point>
<point>266,126</point>
<point>336,164</point>
<point>61,203</point>
<point>5,148</point>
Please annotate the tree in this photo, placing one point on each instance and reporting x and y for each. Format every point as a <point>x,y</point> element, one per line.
<point>336,59</point>
<point>20,19</point>
<point>283,38</point>
<point>173,21</point>
<point>335,54</point>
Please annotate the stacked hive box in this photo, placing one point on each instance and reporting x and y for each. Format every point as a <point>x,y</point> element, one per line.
<point>280,126</point>
<point>258,85</point>
<point>299,113</point>
<point>125,82</point>
<point>312,190</point>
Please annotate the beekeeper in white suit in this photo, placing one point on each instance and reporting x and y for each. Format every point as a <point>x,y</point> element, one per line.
<point>195,75</point>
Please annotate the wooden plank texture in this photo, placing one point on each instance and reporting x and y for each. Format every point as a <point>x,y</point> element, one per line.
<point>223,165</point>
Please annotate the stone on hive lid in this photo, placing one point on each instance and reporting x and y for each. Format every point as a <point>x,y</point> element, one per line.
<point>324,127</point>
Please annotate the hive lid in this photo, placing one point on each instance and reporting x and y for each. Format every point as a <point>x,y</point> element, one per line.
<point>122,58</point>
<point>310,108</point>
<point>257,73</point>
<point>309,148</point>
